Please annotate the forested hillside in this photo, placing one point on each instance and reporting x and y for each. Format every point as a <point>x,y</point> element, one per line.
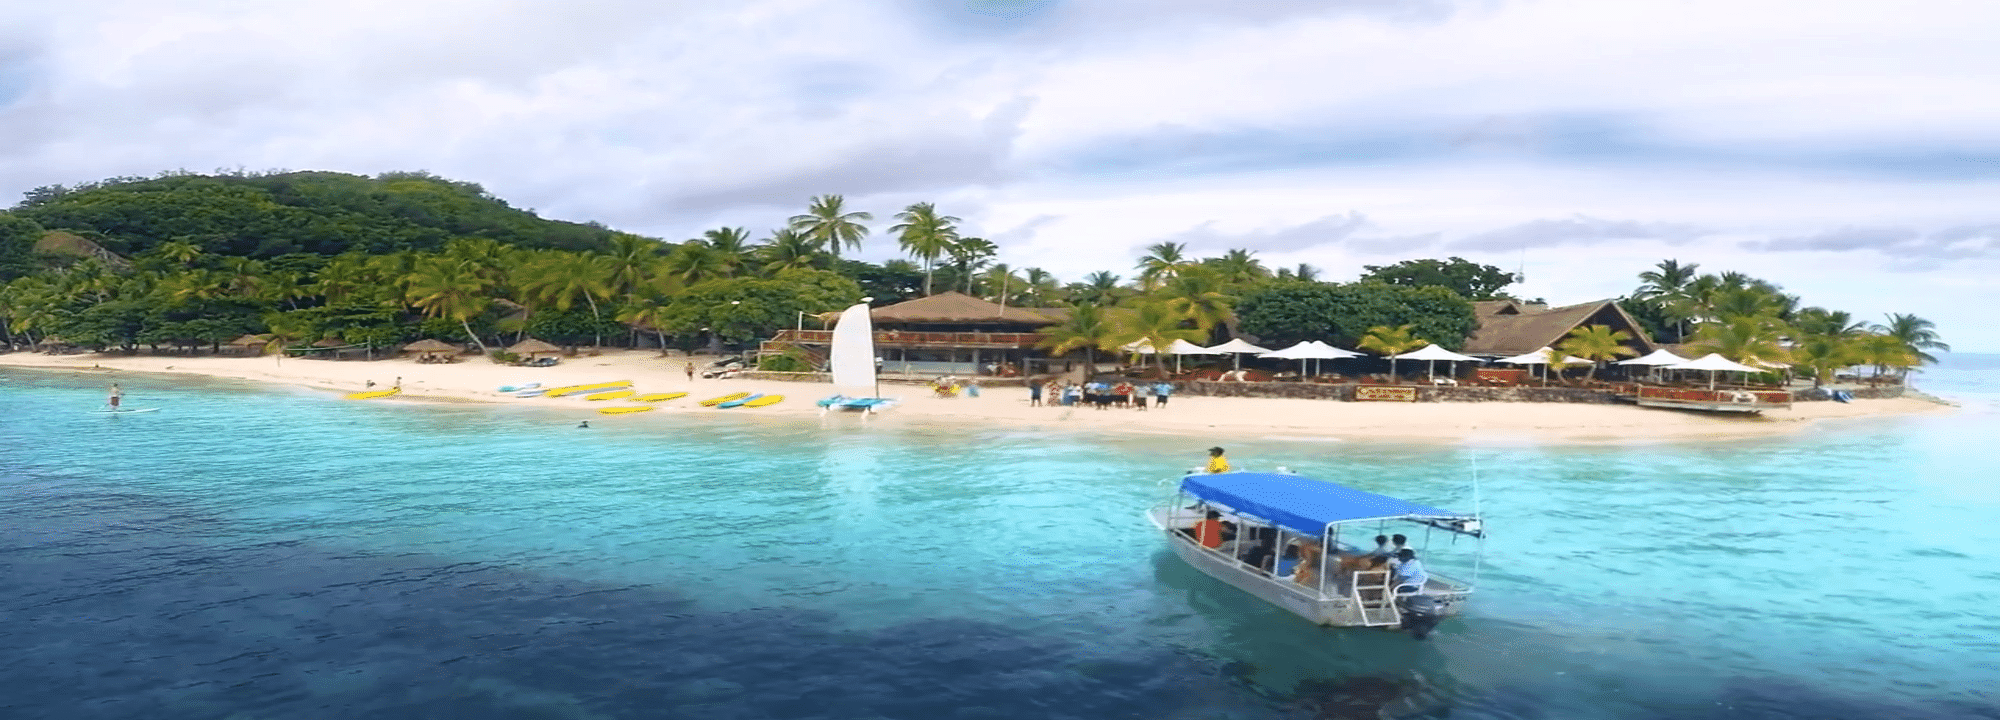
<point>322,213</point>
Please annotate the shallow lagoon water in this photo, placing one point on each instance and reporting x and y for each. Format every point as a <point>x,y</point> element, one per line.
<point>276,553</point>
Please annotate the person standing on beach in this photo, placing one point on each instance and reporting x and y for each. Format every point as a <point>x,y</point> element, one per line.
<point>1163,389</point>
<point>1216,462</point>
<point>1142,394</point>
<point>117,396</point>
<point>1034,394</point>
<point>690,371</point>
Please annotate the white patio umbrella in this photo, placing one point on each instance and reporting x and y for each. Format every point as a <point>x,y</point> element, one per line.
<point>1433,353</point>
<point>1541,357</point>
<point>1237,349</point>
<point>1176,348</point>
<point>1309,350</point>
<point>1657,359</point>
<point>1713,363</point>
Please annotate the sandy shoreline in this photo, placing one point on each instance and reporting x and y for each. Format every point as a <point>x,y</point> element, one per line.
<point>1220,420</point>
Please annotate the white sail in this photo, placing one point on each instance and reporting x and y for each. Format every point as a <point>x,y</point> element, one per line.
<point>853,353</point>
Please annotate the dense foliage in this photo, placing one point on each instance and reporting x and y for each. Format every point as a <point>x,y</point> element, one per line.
<point>1470,280</point>
<point>1288,313</point>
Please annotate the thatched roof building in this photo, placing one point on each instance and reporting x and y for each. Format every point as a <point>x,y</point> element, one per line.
<point>1507,327</point>
<point>532,347</point>
<point>954,311</point>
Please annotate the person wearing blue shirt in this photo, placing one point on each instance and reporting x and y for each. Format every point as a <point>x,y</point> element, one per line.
<point>1160,392</point>
<point>1410,573</point>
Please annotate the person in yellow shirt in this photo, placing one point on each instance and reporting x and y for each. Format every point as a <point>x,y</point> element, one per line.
<point>1216,462</point>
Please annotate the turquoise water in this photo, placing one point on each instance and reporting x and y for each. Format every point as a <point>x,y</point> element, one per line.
<point>265,553</point>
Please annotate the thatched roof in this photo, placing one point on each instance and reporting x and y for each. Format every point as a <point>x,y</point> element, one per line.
<point>428,345</point>
<point>532,346</point>
<point>1512,328</point>
<point>330,342</point>
<point>249,340</point>
<point>955,307</point>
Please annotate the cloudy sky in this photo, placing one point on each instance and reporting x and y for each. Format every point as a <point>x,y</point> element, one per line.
<point>1848,150</point>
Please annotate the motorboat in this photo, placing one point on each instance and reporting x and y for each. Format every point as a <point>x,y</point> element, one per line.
<point>1266,517</point>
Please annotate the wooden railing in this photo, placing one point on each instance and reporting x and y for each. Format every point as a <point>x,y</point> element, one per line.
<point>1719,396</point>
<point>904,338</point>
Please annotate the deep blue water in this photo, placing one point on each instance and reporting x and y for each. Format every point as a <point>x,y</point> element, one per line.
<point>252,552</point>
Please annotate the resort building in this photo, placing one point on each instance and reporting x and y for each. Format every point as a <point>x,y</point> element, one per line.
<point>949,333</point>
<point>1508,327</point>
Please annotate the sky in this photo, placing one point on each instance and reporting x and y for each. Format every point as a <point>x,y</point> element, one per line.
<point>1847,150</point>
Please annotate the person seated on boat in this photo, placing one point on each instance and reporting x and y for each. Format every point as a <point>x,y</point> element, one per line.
<point>1382,548</point>
<point>1410,575</point>
<point>1208,532</point>
<point>1261,554</point>
<point>1216,462</point>
<point>1397,544</point>
<point>1306,573</point>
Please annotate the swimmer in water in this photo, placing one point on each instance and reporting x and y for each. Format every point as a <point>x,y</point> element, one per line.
<point>583,424</point>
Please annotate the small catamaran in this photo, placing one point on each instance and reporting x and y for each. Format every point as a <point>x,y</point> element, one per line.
<point>1266,518</point>
<point>852,362</point>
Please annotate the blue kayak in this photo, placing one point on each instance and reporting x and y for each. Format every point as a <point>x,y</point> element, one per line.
<point>738,402</point>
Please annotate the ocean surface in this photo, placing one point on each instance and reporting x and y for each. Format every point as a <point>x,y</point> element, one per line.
<point>257,552</point>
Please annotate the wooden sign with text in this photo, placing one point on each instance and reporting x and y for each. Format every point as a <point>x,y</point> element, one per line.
<point>1385,393</point>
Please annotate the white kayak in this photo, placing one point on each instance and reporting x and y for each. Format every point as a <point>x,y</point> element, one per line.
<point>128,411</point>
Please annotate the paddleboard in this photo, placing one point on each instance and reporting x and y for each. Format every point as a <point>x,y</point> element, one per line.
<point>372,394</point>
<point>738,402</point>
<point>514,388</point>
<point>613,395</point>
<point>574,389</point>
<point>714,401</point>
<point>126,411</point>
<point>537,392</point>
<point>765,400</point>
<point>657,397</point>
<point>626,410</point>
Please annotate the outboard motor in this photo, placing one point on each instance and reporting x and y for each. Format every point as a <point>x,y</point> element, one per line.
<point>1421,614</point>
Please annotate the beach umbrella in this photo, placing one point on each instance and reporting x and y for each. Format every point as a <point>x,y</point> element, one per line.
<point>1656,359</point>
<point>1432,353</point>
<point>1310,350</point>
<point>429,345</point>
<point>1541,357</point>
<point>1176,348</point>
<point>1237,348</point>
<point>1713,363</point>
<point>532,347</point>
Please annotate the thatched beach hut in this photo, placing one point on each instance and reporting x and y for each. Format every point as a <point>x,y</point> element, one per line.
<point>532,347</point>
<point>248,345</point>
<point>429,350</point>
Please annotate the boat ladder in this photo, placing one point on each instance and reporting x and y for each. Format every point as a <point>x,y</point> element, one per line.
<point>1371,596</point>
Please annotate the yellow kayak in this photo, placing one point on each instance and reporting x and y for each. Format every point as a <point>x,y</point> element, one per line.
<point>625,410</point>
<point>574,389</point>
<point>766,400</point>
<point>657,397</point>
<point>372,394</point>
<point>613,395</point>
<point>714,401</point>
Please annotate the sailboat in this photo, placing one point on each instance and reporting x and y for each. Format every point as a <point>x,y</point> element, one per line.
<point>852,361</point>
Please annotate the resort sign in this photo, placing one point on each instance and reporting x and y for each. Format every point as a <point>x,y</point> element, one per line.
<point>1385,393</point>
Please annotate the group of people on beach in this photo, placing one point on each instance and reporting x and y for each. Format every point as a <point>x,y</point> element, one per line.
<point>951,386</point>
<point>1099,394</point>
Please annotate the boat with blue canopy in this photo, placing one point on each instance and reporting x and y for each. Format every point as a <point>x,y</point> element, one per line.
<point>1306,545</point>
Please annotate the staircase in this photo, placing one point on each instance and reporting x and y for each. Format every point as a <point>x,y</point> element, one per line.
<point>1380,607</point>
<point>816,358</point>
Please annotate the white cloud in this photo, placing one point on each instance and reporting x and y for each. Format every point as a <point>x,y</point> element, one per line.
<point>1579,139</point>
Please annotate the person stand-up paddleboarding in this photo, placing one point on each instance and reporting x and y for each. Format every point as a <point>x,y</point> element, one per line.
<point>117,396</point>
<point>1216,462</point>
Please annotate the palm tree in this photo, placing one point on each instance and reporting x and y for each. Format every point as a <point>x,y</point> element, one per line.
<point>564,277</point>
<point>825,224</point>
<point>1085,329</point>
<point>731,246</point>
<point>1040,286</point>
<point>1003,285</point>
<point>788,249</point>
<point>1886,351</point>
<point>1155,324</point>
<point>634,263</point>
<point>1916,334</point>
<point>1238,267</point>
<point>1161,262</point>
<point>1747,339</point>
<point>1596,343</point>
<point>971,254</point>
<point>695,261</point>
<point>649,311</point>
<point>1304,273</point>
<point>925,235</point>
<point>1098,288</point>
<point>454,289</point>
<point>1668,281</point>
<point>1391,342</point>
<point>1196,295</point>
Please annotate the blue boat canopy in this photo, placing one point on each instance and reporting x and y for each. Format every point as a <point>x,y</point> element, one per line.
<point>1308,505</point>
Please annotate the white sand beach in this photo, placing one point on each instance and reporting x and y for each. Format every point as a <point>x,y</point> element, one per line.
<point>1219,419</point>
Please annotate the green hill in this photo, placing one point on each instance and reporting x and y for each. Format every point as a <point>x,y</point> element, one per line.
<point>323,213</point>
